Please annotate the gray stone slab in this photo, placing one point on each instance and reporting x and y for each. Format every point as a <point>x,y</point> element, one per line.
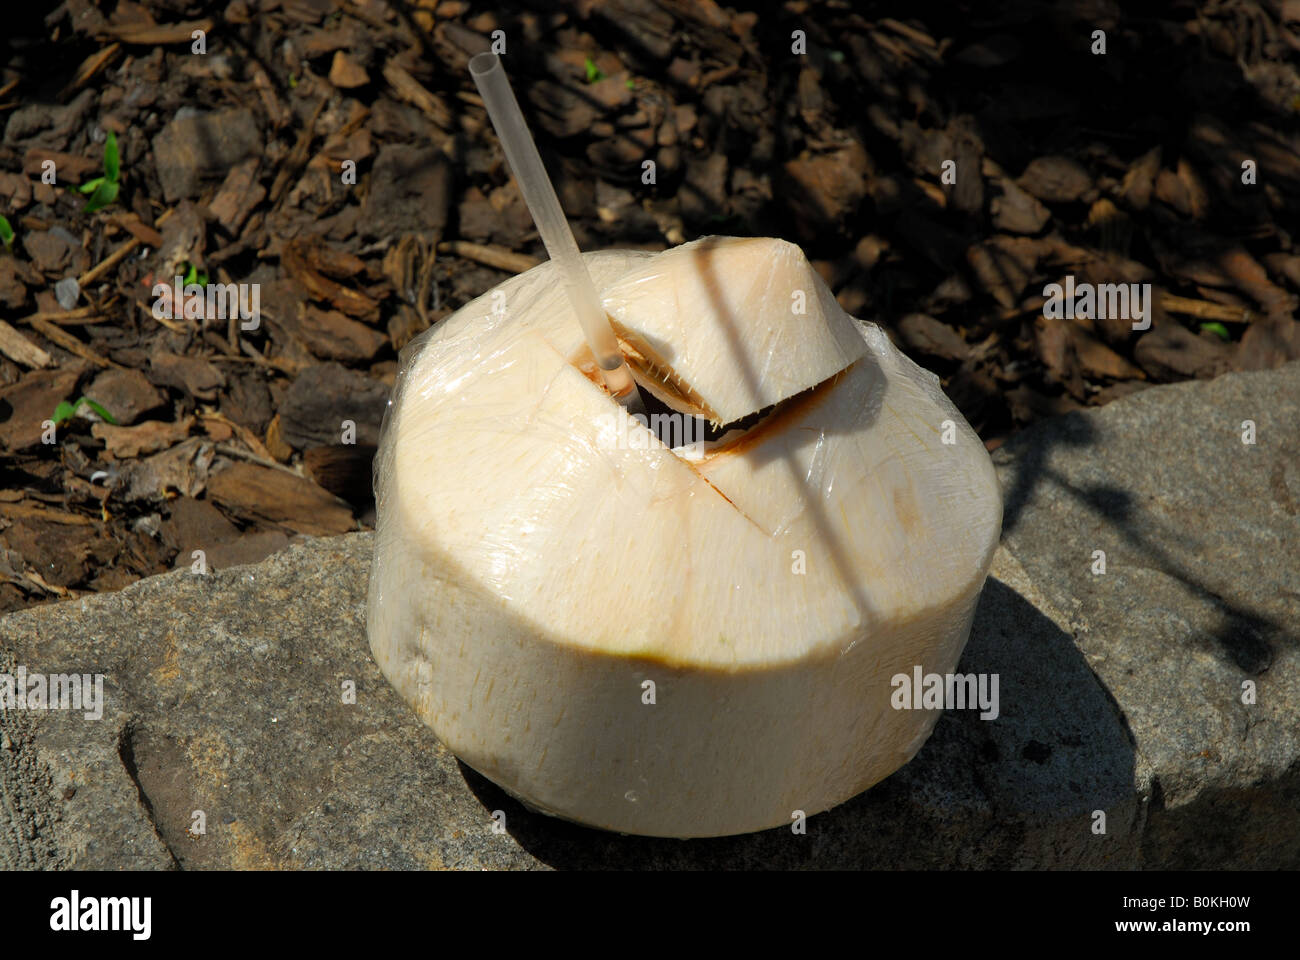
<point>1200,598</point>
<point>1119,693</point>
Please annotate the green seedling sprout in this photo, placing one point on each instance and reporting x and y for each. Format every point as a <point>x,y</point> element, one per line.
<point>193,276</point>
<point>594,74</point>
<point>6,233</point>
<point>1216,328</point>
<point>103,190</point>
<point>66,411</point>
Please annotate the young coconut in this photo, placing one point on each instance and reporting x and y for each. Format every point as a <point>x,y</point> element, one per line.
<point>635,640</point>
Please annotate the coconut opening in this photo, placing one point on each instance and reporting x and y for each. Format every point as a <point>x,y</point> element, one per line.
<point>678,420</point>
<point>668,423</point>
<point>753,428</point>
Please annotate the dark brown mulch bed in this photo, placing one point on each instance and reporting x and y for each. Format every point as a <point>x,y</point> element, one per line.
<point>1125,166</point>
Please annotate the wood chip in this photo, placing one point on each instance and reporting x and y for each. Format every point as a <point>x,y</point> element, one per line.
<point>331,335</point>
<point>239,454</point>
<point>70,343</point>
<point>1002,267</point>
<point>181,469</point>
<point>296,259</point>
<point>249,490</point>
<point>21,350</point>
<point>141,231</point>
<point>410,90</point>
<point>238,195</point>
<point>194,375</point>
<point>92,65</point>
<point>1285,265</point>
<point>490,256</point>
<point>923,333</point>
<point>151,34</point>
<point>41,582</point>
<point>275,444</point>
<point>29,511</point>
<point>343,470</point>
<point>1249,276</point>
<point>1054,339</point>
<point>246,436</point>
<point>1055,179</point>
<point>1016,211</point>
<point>31,401</point>
<point>1140,179</point>
<point>346,73</point>
<point>1100,362</point>
<point>67,166</point>
<point>1205,310</point>
<point>1171,352</point>
<point>123,443</point>
<point>1183,190</point>
<point>910,32</point>
<point>1273,341</point>
<point>116,256</point>
<point>298,156</point>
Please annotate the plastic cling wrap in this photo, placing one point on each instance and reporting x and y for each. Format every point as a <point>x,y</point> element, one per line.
<point>664,641</point>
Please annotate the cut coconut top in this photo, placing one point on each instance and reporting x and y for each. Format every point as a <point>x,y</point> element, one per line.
<point>509,464</point>
<point>723,327</point>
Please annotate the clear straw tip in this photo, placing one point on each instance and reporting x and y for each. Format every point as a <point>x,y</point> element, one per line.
<point>539,194</point>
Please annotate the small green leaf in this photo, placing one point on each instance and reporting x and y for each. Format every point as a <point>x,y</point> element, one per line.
<point>293,81</point>
<point>1217,329</point>
<point>105,194</point>
<point>90,186</point>
<point>111,158</point>
<point>6,233</point>
<point>593,72</point>
<point>63,411</point>
<point>630,83</point>
<point>103,414</point>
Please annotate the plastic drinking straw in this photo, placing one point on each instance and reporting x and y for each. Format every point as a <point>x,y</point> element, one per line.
<point>539,194</point>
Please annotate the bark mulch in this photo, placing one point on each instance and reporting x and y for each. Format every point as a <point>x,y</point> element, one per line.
<point>335,154</point>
